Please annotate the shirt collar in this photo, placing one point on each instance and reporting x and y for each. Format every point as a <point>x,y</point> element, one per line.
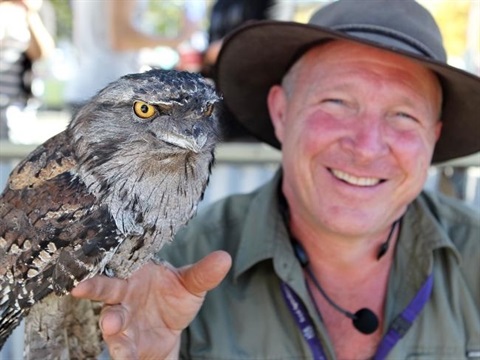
<point>422,234</point>
<point>264,235</point>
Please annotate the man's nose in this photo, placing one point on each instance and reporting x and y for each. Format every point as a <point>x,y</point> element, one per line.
<point>366,138</point>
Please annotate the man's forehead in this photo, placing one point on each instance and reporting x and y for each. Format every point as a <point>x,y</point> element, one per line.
<point>347,61</point>
<point>341,51</point>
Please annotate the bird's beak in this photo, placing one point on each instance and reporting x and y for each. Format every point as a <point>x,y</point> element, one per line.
<point>194,144</point>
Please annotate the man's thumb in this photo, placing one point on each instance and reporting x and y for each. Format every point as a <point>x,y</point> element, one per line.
<point>207,273</point>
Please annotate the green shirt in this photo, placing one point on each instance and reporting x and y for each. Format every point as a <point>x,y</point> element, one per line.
<point>246,317</point>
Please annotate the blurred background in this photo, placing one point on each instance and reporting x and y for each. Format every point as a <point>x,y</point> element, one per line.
<point>78,50</point>
<point>459,21</point>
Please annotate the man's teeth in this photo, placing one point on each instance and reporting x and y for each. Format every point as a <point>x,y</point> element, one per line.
<point>359,181</point>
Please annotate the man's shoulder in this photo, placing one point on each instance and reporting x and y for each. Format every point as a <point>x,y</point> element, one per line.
<point>459,220</point>
<point>451,211</point>
<point>216,226</point>
<point>226,212</point>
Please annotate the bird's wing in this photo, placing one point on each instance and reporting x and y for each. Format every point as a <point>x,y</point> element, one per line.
<point>53,232</point>
<point>50,225</point>
<point>27,200</point>
<point>48,160</point>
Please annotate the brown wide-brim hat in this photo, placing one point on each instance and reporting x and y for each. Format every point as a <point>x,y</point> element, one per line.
<point>257,56</point>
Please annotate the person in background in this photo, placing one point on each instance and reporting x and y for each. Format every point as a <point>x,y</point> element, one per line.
<point>24,39</point>
<point>342,255</point>
<point>108,38</point>
<point>226,16</point>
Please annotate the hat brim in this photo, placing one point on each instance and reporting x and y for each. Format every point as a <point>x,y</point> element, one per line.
<point>258,54</point>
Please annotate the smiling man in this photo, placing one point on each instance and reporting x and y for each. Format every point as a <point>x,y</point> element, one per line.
<point>357,126</point>
<point>341,255</point>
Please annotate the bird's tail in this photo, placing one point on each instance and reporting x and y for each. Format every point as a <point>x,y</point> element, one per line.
<point>10,319</point>
<point>15,303</point>
<point>63,328</point>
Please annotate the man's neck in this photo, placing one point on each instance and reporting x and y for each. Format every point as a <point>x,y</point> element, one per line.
<point>345,254</point>
<point>349,271</point>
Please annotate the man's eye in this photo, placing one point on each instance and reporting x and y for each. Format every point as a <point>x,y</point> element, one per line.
<point>335,101</point>
<point>406,116</point>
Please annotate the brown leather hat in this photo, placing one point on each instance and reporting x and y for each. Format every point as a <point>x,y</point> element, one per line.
<point>257,55</point>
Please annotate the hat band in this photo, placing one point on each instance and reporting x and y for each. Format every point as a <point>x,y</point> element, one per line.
<point>389,38</point>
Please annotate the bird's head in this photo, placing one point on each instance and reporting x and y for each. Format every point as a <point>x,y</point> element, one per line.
<point>144,144</point>
<point>159,110</point>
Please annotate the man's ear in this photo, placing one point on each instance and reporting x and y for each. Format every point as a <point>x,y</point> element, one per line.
<point>277,107</point>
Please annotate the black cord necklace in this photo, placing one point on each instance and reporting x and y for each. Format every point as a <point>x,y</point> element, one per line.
<point>384,247</point>
<point>364,320</point>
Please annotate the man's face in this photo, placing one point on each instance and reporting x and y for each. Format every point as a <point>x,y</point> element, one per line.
<point>358,127</point>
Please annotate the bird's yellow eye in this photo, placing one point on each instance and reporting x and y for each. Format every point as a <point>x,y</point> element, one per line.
<point>209,109</point>
<point>143,110</point>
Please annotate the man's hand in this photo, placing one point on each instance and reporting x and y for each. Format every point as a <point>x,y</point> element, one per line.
<point>144,315</point>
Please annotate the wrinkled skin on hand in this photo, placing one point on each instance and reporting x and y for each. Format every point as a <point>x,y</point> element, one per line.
<point>145,314</point>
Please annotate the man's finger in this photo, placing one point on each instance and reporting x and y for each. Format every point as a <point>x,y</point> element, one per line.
<point>102,288</point>
<point>113,319</point>
<point>120,347</point>
<point>206,273</point>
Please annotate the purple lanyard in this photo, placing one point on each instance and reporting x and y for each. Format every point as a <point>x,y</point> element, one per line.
<point>396,331</point>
